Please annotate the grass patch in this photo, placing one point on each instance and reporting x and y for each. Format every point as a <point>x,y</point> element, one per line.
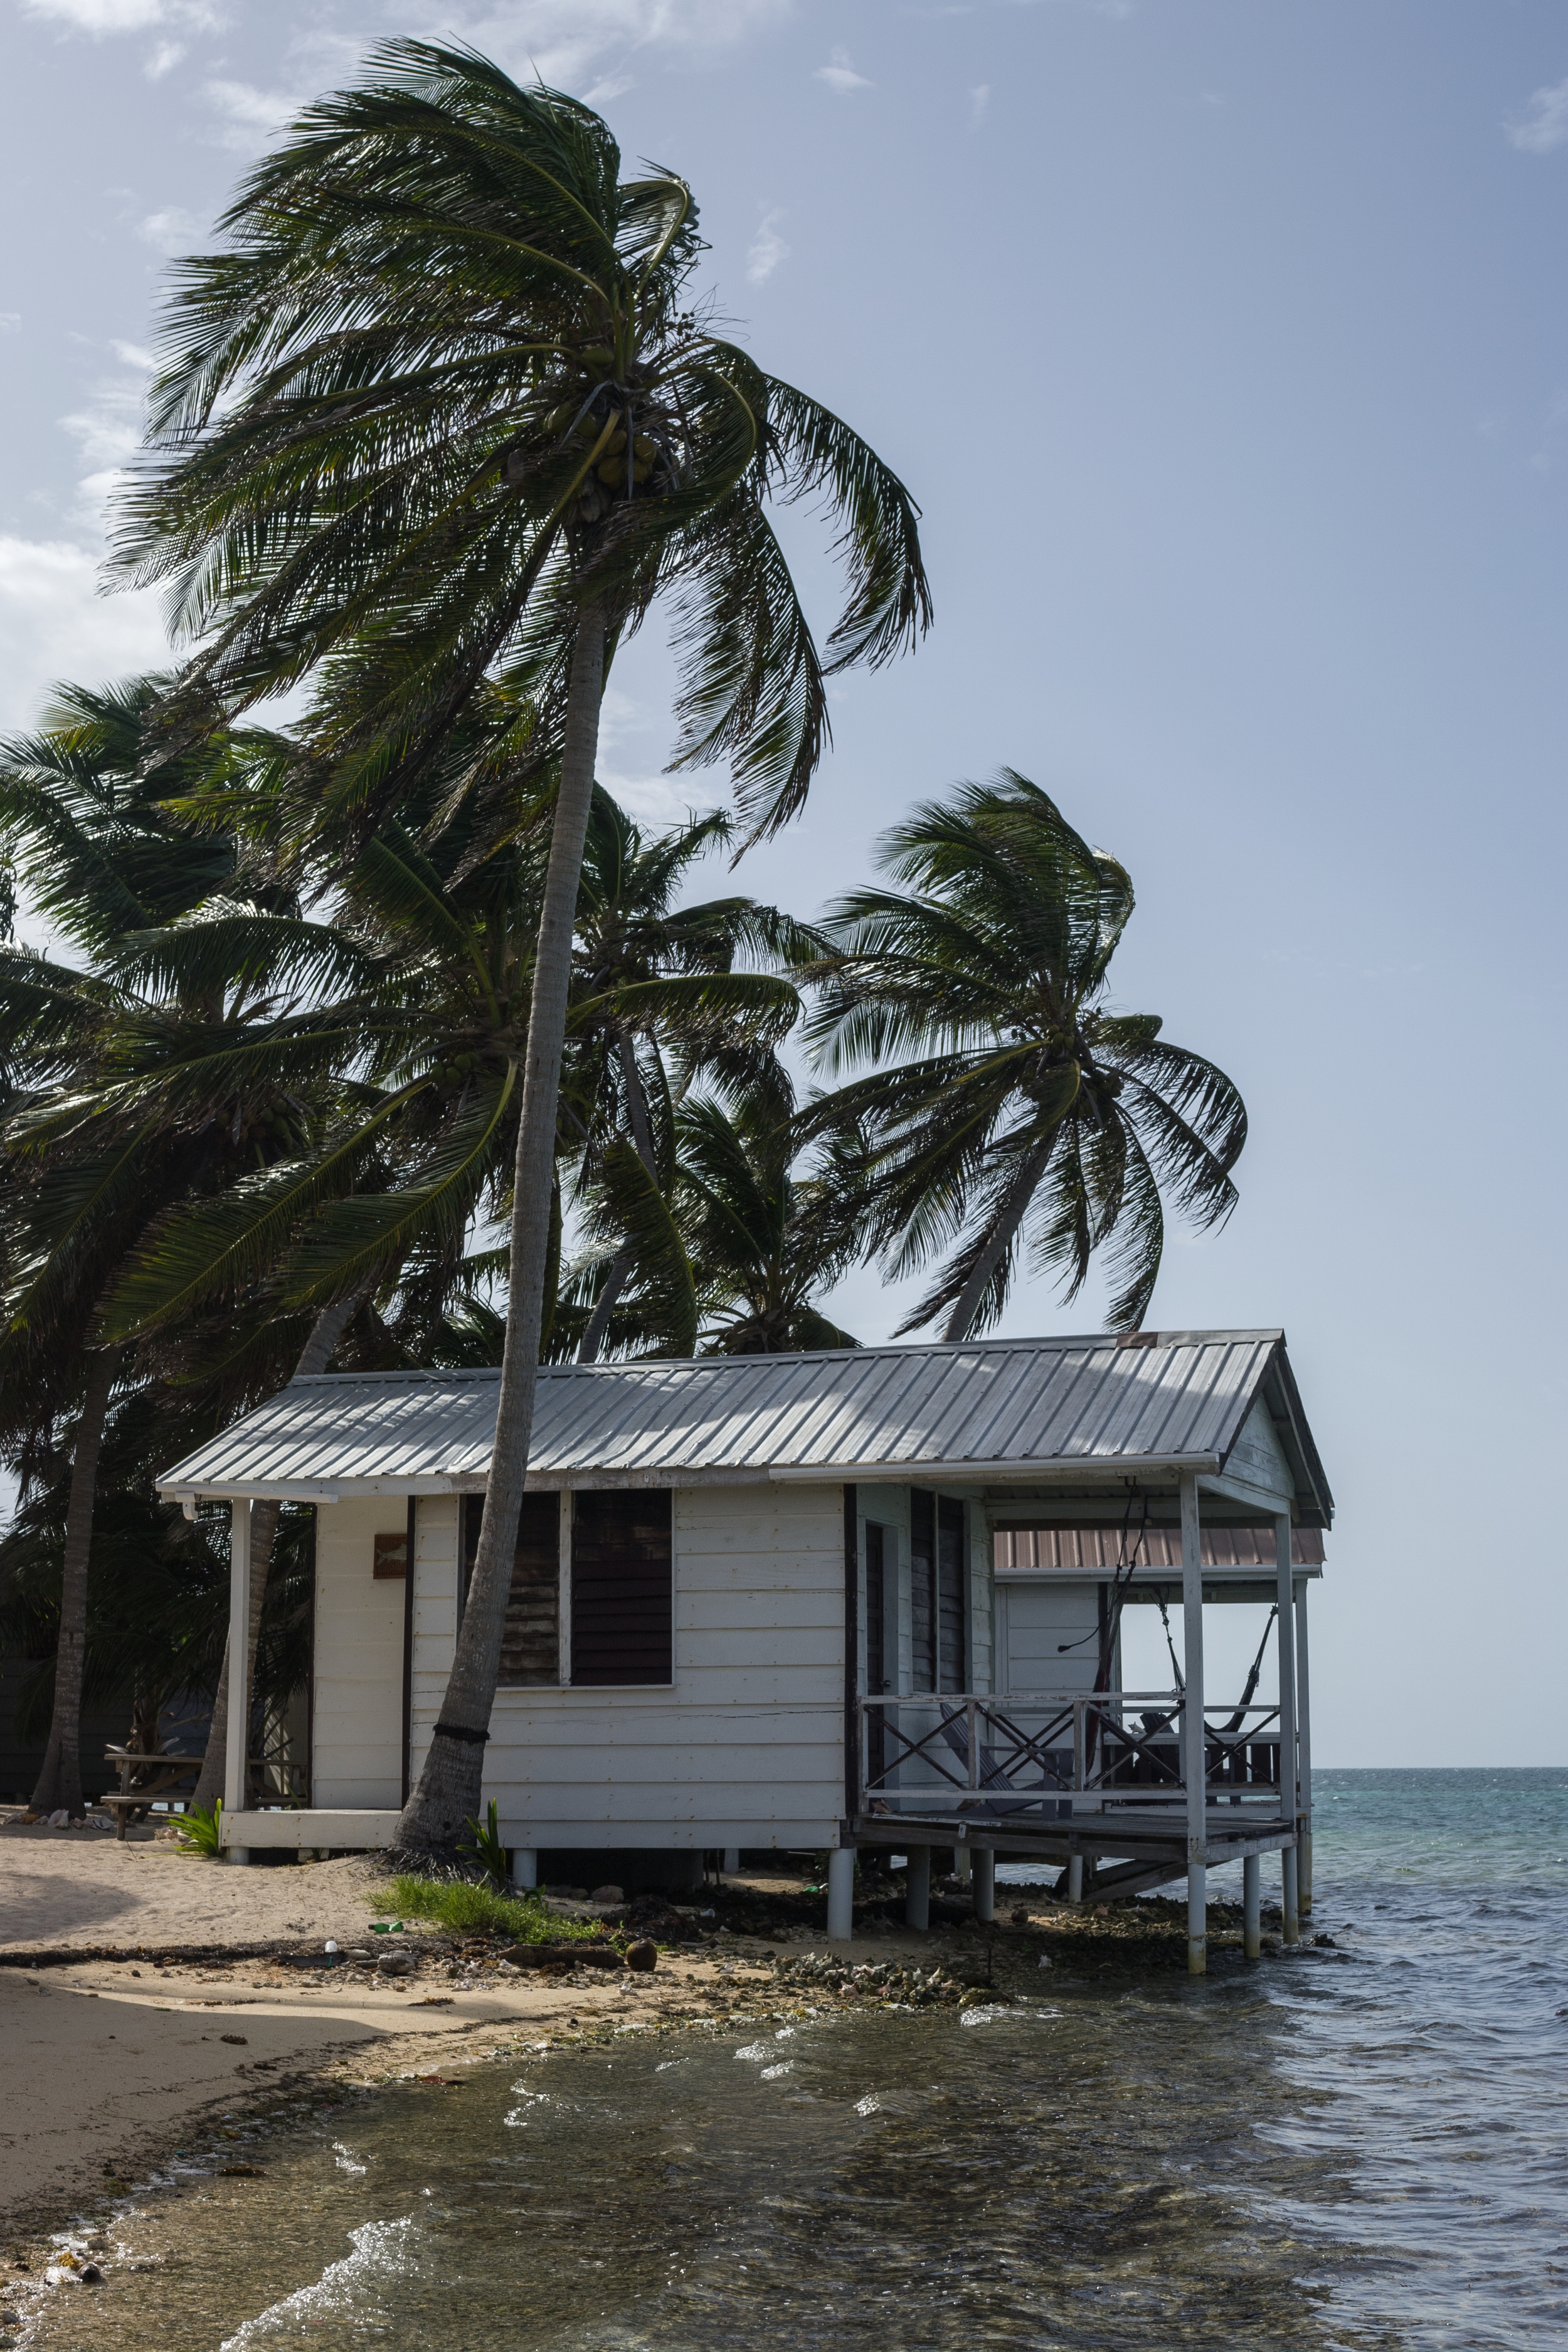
<point>468,1909</point>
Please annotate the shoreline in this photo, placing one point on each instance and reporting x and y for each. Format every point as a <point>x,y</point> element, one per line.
<point>189,2036</point>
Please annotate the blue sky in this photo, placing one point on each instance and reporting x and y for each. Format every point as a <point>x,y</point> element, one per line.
<point>1225,346</point>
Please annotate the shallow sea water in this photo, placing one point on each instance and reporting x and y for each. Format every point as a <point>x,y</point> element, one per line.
<point>1315,2154</point>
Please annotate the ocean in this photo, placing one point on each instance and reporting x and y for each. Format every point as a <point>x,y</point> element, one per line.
<point>1363,2147</point>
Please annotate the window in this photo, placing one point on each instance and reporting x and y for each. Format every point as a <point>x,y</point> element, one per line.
<point>530,1642</point>
<point>622,1609</point>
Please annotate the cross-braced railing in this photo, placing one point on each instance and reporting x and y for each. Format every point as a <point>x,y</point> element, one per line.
<point>1050,1754</point>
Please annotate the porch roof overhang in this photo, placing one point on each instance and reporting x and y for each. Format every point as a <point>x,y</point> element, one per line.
<point>1069,1418</point>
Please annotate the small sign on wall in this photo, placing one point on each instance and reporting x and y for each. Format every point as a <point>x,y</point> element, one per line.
<point>392,1556</point>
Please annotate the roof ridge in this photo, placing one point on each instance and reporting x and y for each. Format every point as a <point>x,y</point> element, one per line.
<point>1047,1343</point>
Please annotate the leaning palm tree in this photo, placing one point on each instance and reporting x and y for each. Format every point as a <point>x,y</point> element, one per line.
<point>443,408</point>
<point>1013,1102</point>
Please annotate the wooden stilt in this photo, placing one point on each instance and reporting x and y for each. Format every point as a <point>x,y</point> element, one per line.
<point>841,1894</point>
<point>964,1864</point>
<point>1194,1745</point>
<point>917,1900</point>
<point>985,1883</point>
<point>1252,1906</point>
<point>1304,1751</point>
<point>1289,1767</point>
<point>238,1754</point>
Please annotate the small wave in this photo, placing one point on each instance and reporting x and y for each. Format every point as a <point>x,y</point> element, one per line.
<point>868,2105</point>
<point>754,2050</point>
<point>345,2158</point>
<point>380,2252</point>
<point>772,2074</point>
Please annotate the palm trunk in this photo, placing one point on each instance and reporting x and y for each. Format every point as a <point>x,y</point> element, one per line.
<point>599,1323</point>
<point>447,1794</point>
<point>314,1357</point>
<point>1024,1185</point>
<point>59,1782</point>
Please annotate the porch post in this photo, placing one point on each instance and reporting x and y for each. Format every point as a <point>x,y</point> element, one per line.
<point>917,1884</point>
<point>841,1894</point>
<point>237,1756</point>
<point>1192,1744</point>
<point>1290,1805</point>
<point>1304,1749</point>
<point>1252,1906</point>
<point>985,1883</point>
<point>525,1867</point>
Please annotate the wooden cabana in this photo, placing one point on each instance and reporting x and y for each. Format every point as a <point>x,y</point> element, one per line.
<point>775,1603</point>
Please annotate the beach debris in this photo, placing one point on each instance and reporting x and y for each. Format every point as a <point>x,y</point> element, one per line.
<point>882,1980</point>
<point>395,1964</point>
<point>607,1894</point>
<point>592,1951</point>
<point>240,2040</point>
<point>643,1956</point>
<point>240,2172</point>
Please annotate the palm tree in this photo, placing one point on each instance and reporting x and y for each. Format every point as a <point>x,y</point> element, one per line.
<point>1027,1108</point>
<point>439,409</point>
<point>767,1235</point>
<point>653,980</point>
<point>88,1150</point>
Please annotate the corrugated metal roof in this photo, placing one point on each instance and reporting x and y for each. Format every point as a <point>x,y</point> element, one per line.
<point>1099,1548</point>
<point>999,1409</point>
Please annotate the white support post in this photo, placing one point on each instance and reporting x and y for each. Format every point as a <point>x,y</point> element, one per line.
<point>1289,1800</point>
<point>1252,1906</point>
<point>1075,1878</point>
<point>841,1894</point>
<point>525,1867</point>
<point>731,1862</point>
<point>1304,1750</point>
<point>985,1883</point>
<point>1192,1744</point>
<point>963,1865</point>
<point>917,1894</point>
<point>237,1756</point>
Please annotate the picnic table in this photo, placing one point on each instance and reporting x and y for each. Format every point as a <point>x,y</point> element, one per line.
<point>157,1775</point>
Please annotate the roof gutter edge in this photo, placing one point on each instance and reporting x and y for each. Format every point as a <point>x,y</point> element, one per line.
<point>869,1474</point>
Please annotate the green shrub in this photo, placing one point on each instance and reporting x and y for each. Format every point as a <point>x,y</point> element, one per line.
<point>201,1832</point>
<point>488,1850</point>
<point>470,1910</point>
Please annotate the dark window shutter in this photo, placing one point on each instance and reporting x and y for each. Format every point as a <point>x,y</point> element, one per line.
<point>952,1597</point>
<point>622,1602</point>
<point>530,1644</point>
<point>922,1598</point>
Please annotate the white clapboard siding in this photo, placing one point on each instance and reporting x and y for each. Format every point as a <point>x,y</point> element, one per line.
<point>1038,1617</point>
<point>437,1518</point>
<point>356,1720</point>
<point>746,1748</point>
<point>1259,1459</point>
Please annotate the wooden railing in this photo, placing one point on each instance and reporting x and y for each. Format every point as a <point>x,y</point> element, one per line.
<point>1046,1754</point>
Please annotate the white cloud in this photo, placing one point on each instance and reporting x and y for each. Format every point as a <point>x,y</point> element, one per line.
<point>979,99</point>
<point>173,231</point>
<point>251,118</point>
<point>1545,121</point>
<point>164,59</point>
<point>9,321</point>
<point>603,92</point>
<point>99,17</point>
<point>766,250</point>
<point>55,623</point>
<point>841,77</point>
